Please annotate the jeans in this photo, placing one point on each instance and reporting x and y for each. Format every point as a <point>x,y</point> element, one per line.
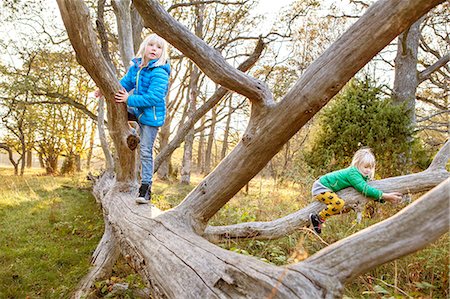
<point>148,137</point>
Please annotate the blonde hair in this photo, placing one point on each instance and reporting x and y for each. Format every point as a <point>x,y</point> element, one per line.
<point>364,156</point>
<point>161,42</point>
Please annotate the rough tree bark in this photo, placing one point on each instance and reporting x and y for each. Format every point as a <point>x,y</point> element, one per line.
<point>406,76</point>
<point>160,244</point>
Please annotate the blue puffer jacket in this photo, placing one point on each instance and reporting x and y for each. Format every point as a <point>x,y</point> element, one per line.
<point>150,86</point>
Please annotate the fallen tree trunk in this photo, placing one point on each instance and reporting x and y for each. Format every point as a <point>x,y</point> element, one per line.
<point>107,251</point>
<point>167,248</point>
<point>204,270</point>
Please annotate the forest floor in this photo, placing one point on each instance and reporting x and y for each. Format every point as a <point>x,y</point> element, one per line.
<point>50,226</point>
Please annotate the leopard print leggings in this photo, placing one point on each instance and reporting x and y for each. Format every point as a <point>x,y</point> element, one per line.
<point>333,202</point>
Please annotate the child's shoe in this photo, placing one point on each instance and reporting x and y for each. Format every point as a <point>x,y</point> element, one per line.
<point>145,195</point>
<point>316,222</point>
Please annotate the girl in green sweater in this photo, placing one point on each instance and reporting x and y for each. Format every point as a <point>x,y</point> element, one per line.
<point>361,170</point>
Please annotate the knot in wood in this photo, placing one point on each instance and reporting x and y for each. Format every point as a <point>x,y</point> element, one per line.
<point>247,138</point>
<point>335,87</point>
<point>203,187</point>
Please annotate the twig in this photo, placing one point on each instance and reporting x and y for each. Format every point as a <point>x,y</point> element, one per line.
<point>314,233</point>
<point>395,287</point>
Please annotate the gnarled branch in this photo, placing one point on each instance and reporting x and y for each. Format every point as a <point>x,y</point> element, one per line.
<point>206,58</point>
<point>425,74</point>
<point>218,95</point>
<point>76,19</point>
<point>264,230</point>
<point>320,82</point>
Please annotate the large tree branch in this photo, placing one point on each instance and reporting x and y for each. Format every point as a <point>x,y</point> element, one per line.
<point>425,74</point>
<point>321,81</point>
<point>211,62</point>
<point>76,19</point>
<point>208,105</point>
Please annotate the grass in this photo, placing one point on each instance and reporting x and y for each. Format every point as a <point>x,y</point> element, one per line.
<point>49,227</point>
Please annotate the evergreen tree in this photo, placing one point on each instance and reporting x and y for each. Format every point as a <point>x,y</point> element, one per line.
<point>358,117</point>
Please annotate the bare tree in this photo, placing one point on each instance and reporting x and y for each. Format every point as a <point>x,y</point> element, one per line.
<point>159,244</point>
<point>7,148</point>
<point>407,77</point>
<point>16,128</point>
<point>189,138</point>
<point>226,133</point>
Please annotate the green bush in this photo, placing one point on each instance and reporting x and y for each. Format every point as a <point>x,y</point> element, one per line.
<point>358,117</point>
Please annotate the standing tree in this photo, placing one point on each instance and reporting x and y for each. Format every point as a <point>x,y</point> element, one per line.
<point>14,120</point>
<point>158,244</point>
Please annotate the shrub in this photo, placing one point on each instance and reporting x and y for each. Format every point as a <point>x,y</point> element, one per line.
<point>357,117</point>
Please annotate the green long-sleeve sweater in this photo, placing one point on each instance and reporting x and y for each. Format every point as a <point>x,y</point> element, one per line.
<point>350,177</point>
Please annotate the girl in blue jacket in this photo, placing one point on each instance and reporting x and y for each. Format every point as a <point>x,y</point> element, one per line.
<point>148,77</point>
<point>361,170</point>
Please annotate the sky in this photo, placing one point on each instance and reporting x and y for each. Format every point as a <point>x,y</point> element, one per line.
<point>270,9</point>
<point>271,6</point>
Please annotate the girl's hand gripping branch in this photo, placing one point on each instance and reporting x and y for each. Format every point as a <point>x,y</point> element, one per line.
<point>121,96</point>
<point>393,197</point>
